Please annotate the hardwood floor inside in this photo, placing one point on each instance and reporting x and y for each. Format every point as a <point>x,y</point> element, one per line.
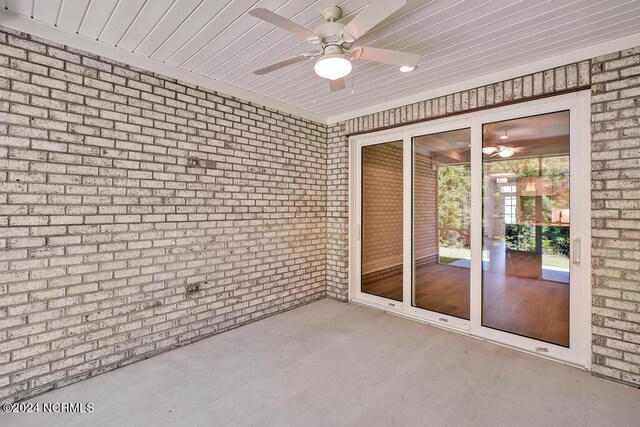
<point>533,308</point>
<point>443,289</point>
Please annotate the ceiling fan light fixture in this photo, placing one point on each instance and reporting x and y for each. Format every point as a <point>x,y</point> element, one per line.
<point>490,150</point>
<point>333,67</point>
<point>407,69</point>
<point>506,152</point>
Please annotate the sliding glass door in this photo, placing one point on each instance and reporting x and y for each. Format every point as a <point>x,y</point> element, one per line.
<point>481,224</point>
<point>381,221</point>
<point>526,226</point>
<point>442,222</point>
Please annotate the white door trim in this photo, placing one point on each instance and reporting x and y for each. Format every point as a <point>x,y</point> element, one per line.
<point>375,300</point>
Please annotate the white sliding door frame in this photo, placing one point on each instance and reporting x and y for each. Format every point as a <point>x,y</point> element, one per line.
<point>357,229</point>
<point>578,103</point>
<point>450,322</point>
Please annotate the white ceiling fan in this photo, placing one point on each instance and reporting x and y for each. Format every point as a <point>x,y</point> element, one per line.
<point>498,150</point>
<point>335,43</point>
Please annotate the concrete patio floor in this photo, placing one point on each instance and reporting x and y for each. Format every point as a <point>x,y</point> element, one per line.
<point>330,363</point>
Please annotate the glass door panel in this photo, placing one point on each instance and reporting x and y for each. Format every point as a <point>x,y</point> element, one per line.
<point>381,208</point>
<point>525,227</point>
<point>442,222</point>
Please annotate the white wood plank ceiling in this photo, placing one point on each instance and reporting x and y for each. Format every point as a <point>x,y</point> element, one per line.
<point>458,40</point>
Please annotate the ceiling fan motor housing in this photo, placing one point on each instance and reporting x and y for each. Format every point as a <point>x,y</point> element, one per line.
<point>329,32</point>
<point>332,13</point>
<point>332,49</point>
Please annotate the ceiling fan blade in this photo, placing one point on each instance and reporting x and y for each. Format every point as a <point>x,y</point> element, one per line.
<point>336,85</point>
<point>281,64</point>
<point>386,56</point>
<point>284,23</point>
<point>371,16</point>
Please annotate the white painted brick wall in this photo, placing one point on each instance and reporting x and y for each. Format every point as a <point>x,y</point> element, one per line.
<point>103,223</point>
<point>337,213</point>
<point>615,107</point>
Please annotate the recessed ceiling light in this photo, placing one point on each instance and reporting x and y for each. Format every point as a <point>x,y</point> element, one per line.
<point>406,69</point>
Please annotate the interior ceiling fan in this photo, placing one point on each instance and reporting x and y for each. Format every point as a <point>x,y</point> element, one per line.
<point>334,43</point>
<point>499,150</point>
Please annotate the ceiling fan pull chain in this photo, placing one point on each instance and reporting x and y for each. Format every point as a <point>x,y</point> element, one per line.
<point>353,77</point>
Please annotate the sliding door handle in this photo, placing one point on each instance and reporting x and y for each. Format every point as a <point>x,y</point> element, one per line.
<point>575,251</point>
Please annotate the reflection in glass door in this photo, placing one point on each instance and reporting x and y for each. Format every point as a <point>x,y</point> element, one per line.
<point>442,222</point>
<point>526,239</point>
<point>381,210</point>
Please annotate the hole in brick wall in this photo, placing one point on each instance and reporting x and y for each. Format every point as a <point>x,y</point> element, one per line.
<point>194,162</point>
<point>194,288</point>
